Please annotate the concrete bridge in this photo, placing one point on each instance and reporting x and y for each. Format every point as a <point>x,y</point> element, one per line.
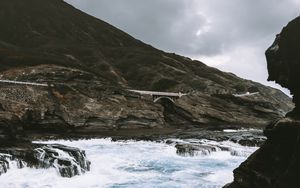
<point>24,83</point>
<point>156,96</point>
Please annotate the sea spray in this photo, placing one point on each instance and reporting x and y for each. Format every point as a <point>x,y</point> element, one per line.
<point>138,164</point>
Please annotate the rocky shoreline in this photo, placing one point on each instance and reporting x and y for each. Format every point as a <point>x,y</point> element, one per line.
<point>28,154</point>
<point>89,67</point>
<point>68,161</point>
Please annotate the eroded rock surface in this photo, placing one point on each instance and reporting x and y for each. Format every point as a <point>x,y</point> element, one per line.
<point>284,60</point>
<point>68,161</point>
<point>276,164</point>
<point>192,147</point>
<point>4,163</point>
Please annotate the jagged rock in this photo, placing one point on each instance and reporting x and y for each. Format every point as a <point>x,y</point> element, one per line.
<point>248,139</point>
<point>69,161</point>
<point>284,61</point>
<point>6,160</point>
<point>276,164</point>
<point>189,149</point>
<point>4,163</point>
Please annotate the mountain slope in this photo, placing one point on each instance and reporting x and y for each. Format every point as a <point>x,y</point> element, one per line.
<point>92,63</point>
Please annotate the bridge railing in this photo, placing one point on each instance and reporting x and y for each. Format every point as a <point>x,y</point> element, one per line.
<point>157,93</point>
<point>24,83</point>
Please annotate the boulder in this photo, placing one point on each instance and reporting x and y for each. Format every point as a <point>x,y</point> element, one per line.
<point>284,60</point>
<point>276,164</point>
<point>68,161</point>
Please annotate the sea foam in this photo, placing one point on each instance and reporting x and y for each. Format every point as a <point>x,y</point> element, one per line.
<point>136,164</point>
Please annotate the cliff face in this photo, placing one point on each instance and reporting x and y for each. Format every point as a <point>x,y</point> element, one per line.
<point>277,162</point>
<point>92,64</point>
<point>284,60</point>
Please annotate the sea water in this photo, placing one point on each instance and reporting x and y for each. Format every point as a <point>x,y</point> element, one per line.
<point>136,164</point>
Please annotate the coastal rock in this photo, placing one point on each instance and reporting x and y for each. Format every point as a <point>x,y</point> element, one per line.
<point>244,137</point>
<point>69,161</point>
<point>276,164</point>
<point>190,149</point>
<point>284,61</point>
<point>4,163</point>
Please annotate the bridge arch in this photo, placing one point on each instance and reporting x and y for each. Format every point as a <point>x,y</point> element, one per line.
<point>156,99</point>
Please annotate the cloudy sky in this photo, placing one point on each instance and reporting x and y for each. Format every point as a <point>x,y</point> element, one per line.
<point>231,35</point>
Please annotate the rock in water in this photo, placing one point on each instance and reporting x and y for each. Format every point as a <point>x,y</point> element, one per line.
<point>194,149</point>
<point>69,161</point>
<point>276,164</point>
<point>4,163</point>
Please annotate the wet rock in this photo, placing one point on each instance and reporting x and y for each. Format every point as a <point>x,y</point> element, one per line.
<point>248,139</point>
<point>245,137</point>
<point>189,149</point>
<point>276,163</point>
<point>69,161</point>
<point>4,163</point>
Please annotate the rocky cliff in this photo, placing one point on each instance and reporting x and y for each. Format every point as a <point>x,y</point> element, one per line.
<point>91,64</point>
<point>277,162</point>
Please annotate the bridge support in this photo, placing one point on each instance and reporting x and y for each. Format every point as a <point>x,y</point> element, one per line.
<point>157,98</point>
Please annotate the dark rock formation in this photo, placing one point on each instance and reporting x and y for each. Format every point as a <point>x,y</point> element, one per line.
<point>276,164</point>
<point>9,126</point>
<point>92,64</point>
<point>252,138</point>
<point>284,60</point>
<point>188,149</point>
<point>191,147</point>
<point>4,163</point>
<point>68,161</point>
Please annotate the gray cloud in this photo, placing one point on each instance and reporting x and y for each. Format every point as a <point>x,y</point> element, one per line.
<point>228,31</point>
<point>173,25</point>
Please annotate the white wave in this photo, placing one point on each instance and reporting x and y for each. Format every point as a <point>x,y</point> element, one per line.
<point>136,164</point>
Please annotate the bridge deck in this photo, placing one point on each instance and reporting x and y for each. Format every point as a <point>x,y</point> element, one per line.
<point>23,83</point>
<point>169,94</point>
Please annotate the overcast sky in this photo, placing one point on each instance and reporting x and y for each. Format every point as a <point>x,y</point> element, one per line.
<point>231,35</point>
